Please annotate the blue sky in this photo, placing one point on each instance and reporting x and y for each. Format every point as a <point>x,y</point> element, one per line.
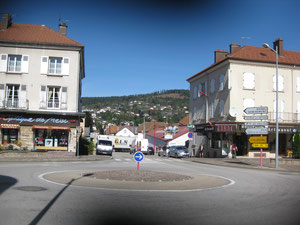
<point>142,46</point>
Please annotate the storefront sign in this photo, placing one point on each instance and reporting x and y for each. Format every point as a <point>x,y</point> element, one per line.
<point>283,129</point>
<point>20,120</point>
<point>225,128</point>
<point>9,126</point>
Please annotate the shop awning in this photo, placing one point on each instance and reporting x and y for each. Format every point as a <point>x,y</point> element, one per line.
<point>9,126</point>
<point>50,127</point>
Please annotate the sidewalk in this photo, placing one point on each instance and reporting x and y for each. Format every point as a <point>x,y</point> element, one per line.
<point>284,164</point>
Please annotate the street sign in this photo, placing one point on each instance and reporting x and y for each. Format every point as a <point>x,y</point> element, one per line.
<point>191,126</point>
<point>190,135</point>
<point>258,123</point>
<point>260,145</point>
<point>260,130</point>
<point>258,140</point>
<point>256,110</point>
<point>263,117</point>
<point>138,156</point>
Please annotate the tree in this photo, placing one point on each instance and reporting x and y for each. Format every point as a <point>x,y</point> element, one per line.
<point>296,145</point>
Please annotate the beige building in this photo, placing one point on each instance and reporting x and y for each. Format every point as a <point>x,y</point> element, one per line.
<point>40,86</point>
<point>243,78</point>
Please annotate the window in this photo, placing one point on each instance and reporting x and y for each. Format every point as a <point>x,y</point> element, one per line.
<point>55,65</point>
<point>222,80</point>
<point>14,63</point>
<point>200,90</point>
<point>212,86</point>
<point>212,110</point>
<point>194,113</point>
<point>280,83</point>
<point>12,95</point>
<point>203,111</point>
<point>195,92</point>
<point>221,107</point>
<point>248,81</point>
<point>53,99</point>
<point>298,84</point>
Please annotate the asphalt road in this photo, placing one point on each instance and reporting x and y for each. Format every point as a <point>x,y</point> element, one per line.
<point>253,197</point>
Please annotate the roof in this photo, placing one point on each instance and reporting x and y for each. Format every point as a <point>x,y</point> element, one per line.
<point>159,133</point>
<point>259,54</point>
<point>185,121</point>
<point>37,34</point>
<point>150,125</point>
<point>112,129</point>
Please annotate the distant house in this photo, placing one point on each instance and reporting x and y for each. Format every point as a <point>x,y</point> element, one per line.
<point>169,136</point>
<point>126,132</point>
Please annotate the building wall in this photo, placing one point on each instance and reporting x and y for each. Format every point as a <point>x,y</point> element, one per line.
<point>26,135</point>
<point>34,79</point>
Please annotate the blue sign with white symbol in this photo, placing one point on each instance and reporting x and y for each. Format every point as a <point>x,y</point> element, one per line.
<point>138,156</point>
<point>190,135</point>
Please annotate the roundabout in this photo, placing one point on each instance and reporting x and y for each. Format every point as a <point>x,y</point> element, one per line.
<point>138,180</point>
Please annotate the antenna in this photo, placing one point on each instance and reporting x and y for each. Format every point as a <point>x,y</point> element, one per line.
<point>61,20</point>
<point>243,38</point>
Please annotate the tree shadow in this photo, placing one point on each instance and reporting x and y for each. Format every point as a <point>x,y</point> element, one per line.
<point>6,182</point>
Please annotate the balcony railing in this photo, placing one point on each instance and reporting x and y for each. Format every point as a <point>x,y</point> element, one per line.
<point>14,104</point>
<point>284,117</point>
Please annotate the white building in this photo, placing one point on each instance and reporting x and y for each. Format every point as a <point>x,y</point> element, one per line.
<point>40,86</point>
<point>244,78</point>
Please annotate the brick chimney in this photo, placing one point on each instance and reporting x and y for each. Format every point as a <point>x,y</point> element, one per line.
<point>63,28</point>
<point>279,43</point>
<point>234,47</point>
<point>220,55</point>
<point>5,22</point>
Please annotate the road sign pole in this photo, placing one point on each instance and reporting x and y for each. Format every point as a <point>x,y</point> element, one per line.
<point>138,165</point>
<point>261,156</point>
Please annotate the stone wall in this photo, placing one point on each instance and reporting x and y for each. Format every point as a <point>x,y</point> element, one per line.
<point>26,137</point>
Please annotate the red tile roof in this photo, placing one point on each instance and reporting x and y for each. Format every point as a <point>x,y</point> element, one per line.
<point>259,54</point>
<point>39,34</point>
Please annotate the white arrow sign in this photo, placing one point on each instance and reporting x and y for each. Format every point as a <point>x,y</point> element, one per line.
<point>256,110</point>
<point>258,123</point>
<point>264,117</point>
<point>260,130</point>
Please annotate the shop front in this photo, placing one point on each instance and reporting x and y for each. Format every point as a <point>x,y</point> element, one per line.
<point>41,131</point>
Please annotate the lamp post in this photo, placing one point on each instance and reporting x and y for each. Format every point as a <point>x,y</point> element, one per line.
<point>276,53</point>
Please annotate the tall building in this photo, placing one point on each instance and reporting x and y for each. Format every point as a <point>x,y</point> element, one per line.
<point>242,78</point>
<point>40,86</point>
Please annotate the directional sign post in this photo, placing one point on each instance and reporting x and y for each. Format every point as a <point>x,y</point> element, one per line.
<point>191,126</point>
<point>258,140</point>
<point>263,117</point>
<point>260,145</point>
<point>138,156</point>
<point>260,130</point>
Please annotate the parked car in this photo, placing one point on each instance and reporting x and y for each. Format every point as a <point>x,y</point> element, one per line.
<point>179,152</point>
<point>150,151</point>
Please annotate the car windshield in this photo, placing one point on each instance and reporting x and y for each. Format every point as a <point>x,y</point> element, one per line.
<point>105,142</point>
<point>181,148</point>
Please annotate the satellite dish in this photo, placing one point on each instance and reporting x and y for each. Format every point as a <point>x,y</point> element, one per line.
<point>233,112</point>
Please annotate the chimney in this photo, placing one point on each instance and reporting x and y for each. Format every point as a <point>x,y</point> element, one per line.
<point>220,55</point>
<point>63,28</point>
<point>234,47</point>
<point>5,22</point>
<point>279,43</point>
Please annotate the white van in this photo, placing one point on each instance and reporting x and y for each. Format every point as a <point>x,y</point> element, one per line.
<point>142,145</point>
<point>104,146</point>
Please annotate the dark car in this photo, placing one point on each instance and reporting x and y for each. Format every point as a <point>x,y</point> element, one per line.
<point>179,152</point>
<point>150,151</point>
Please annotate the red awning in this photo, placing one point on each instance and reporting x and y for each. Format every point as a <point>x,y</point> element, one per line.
<point>50,127</point>
<point>9,126</point>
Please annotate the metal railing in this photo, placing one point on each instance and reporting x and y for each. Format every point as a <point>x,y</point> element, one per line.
<point>14,104</point>
<point>284,117</point>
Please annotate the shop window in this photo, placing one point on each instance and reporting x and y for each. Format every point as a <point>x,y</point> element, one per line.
<point>51,138</point>
<point>216,140</point>
<point>9,136</point>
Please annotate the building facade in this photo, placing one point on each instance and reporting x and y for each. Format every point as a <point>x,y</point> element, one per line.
<point>40,87</point>
<point>244,78</point>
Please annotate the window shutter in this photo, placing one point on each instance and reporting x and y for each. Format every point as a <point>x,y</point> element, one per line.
<point>280,83</point>
<point>199,90</point>
<point>248,81</point>
<point>23,100</point>
<point>3,62</point>
<point>203,109</point>
<point>195,92</point>
<point>25,63</point>
<point>194,113</point>
<point>2,95</point>
<point>221,107</point>
<point>205,87</point>
<point>298,84</point>
<point>44,65</point>
<point>221,87</point>
<point>65,66</point>
<point>43,97</point>
<point>212,86</point>
<point>212,110</point>
<point>64,98</point>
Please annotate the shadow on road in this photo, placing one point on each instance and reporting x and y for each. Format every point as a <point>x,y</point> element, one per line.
<point>48,206</point>
<point>6,182</point>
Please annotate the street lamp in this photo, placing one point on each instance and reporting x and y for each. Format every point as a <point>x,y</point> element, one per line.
<point>276,52</point>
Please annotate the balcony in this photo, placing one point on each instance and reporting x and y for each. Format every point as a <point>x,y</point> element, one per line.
<point>284,117</point>
<point>14,104</point>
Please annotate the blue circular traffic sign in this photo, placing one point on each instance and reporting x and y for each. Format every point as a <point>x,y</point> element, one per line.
<point>190,135</point>
<point>138,156</point>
